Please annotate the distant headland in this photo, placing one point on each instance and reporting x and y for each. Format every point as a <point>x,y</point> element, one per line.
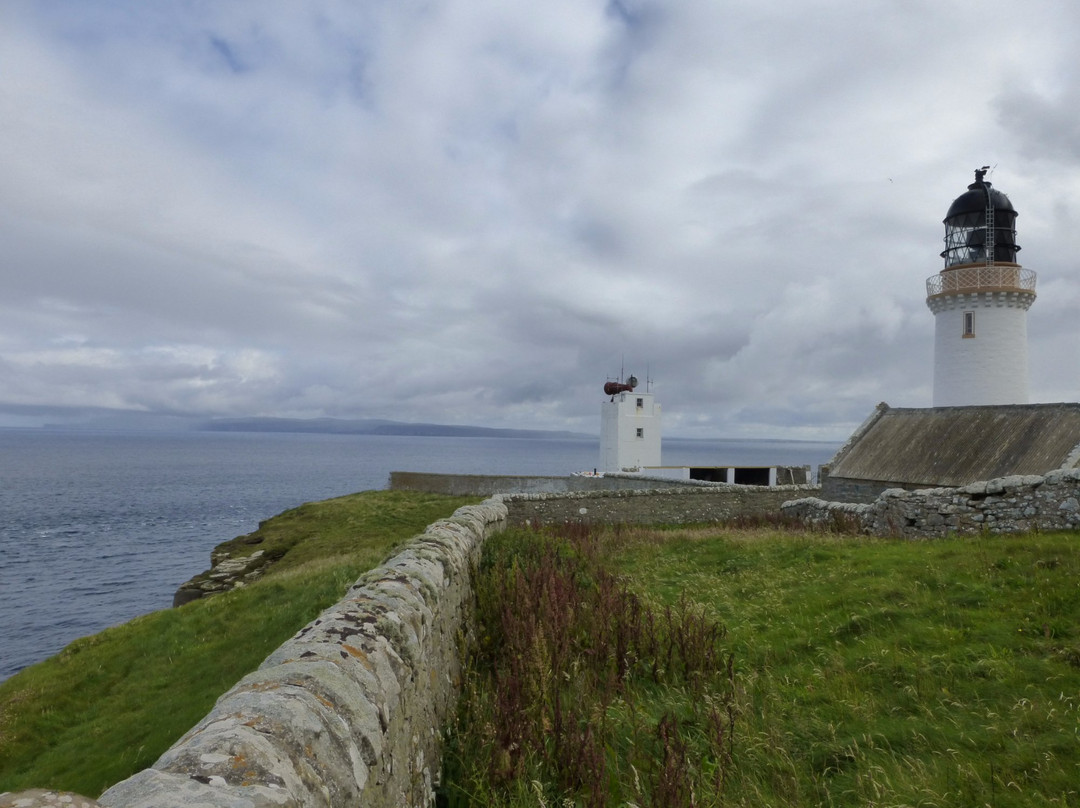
<point>341,426</point>
<point>152,422</point>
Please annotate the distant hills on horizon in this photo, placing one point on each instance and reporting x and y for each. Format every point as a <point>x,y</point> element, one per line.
<point>374,426</point>
<point>152,422</point>
<point>148,422</point>
<point>370,426</point>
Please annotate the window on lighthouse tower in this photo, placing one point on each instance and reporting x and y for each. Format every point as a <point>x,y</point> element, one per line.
<point>969,324</point>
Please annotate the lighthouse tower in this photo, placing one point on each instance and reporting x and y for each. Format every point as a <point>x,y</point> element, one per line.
<point>629,428</point>
<point>980,302</point>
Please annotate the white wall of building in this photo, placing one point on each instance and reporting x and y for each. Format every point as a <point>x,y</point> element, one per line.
<point>629,432</point>
<point>991,366</point>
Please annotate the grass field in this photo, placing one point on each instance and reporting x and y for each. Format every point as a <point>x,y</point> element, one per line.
<point>110,704</point>
<point>866,673</point>
<point>684,667</point>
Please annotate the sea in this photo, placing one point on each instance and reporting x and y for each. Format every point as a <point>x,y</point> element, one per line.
<point>97,527</point>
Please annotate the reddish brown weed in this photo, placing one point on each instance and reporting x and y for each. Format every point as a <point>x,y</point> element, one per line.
<point>566,650</point>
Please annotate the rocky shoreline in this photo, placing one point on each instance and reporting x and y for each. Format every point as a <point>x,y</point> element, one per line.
<point>226,572</point>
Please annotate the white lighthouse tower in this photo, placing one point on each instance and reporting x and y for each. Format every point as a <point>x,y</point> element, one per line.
<point>980,302</point>
<point>629,428</point>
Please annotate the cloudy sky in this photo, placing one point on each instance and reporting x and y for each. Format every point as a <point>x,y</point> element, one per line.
<point>478,212</point>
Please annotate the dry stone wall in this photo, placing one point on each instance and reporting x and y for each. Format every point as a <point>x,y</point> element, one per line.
<point>683,505</point>
<point>466,485</point>
<point>1005,505</point>
<point>350,710</point>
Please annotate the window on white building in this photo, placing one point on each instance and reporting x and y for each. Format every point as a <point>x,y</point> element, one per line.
<point>641,432</point>
<point>640,403</point>
<point>969,324</point>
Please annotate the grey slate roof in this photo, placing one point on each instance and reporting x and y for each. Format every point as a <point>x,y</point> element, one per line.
<point>953,446</point>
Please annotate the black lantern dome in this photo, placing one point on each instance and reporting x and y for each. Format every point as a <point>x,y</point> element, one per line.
<point>981,209</point>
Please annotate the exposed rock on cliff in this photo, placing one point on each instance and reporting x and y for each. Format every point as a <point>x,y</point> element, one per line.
<point>231,565</point>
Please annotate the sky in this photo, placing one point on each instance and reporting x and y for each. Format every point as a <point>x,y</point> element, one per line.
<point>479,212</point>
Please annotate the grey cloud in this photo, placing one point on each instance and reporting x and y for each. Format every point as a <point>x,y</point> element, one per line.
<point>452,212</point>
<point>1046,128</point>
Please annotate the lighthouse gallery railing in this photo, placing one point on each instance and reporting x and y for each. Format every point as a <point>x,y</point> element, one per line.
<point>981,278</point>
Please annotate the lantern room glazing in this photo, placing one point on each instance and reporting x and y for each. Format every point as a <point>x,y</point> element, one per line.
<point>981,210</point>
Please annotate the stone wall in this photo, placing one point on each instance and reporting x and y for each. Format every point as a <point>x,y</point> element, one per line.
<point>350,710</point>
<point>844,489</point>
<point>682,505</point>
<point>485,485</point>
<point>1005,505</point>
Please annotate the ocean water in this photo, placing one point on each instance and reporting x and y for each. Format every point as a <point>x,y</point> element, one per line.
<point>97,528</point>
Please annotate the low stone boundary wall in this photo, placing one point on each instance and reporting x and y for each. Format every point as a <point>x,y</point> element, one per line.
<point>1005,505</point>
<point>682,505</point>
<point>486,485</point>
<point>350,710</point>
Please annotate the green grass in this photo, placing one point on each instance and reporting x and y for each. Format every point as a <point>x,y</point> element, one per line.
<point>868,672</point>
<point>108,705</point>
<point>884,672</point>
